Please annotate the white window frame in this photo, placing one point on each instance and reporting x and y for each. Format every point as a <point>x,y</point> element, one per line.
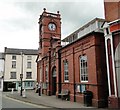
<point>13,64</point>
<point>30,76</point>
<point>29,64</point>
<point>66,74</point>
<point>83,69</point>
<point>29,57</point>
<point>13,57</point>
<point>12,74</point>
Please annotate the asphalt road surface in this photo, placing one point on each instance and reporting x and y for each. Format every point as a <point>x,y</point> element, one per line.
<point>12,103</point>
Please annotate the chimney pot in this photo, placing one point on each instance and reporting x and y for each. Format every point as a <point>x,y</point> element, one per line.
<point>44,9</point>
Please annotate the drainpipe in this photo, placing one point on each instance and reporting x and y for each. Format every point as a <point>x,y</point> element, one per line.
<point>59,73</point>
<point>74,75</point>
<point>49,73</point>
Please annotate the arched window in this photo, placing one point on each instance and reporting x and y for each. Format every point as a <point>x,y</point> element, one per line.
<point>83,69</point>
<point>66,74</point>
<point>46,73</point>
<point>117,67</point>
<point>54,72</point>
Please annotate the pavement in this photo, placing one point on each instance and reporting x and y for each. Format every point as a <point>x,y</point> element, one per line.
<point>47,101</point>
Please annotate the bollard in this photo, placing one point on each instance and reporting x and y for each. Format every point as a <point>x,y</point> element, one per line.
<point>24,93</point>
<point>18,89</point>
<point>12,91</point>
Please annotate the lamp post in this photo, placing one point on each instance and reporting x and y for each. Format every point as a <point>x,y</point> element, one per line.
<point>21,75</point>
<point>1,81</point>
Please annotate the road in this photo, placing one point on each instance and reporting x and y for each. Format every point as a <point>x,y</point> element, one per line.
<point>12,103</point>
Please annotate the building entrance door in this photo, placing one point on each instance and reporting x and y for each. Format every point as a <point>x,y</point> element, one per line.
<point>54,81</point>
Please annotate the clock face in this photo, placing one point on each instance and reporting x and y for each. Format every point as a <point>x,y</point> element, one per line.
<point>52,26</point>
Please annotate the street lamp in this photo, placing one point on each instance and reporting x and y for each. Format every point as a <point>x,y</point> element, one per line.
<point>21,75</point>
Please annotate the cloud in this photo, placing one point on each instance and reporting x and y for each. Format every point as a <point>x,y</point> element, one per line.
<point>74,14</point>
<point>19,19</point>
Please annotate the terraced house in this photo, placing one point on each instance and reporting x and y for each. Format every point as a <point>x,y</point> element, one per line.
<point>20,61</point>
<point>2,60</point>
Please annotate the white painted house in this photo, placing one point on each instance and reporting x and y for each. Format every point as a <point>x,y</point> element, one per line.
<point>1,70</point>
<point>20,61</point>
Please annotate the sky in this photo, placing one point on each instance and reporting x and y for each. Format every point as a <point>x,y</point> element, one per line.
<point>19,19</point>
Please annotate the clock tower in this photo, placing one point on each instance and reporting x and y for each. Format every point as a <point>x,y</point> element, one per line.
<point>49,44</point>
<point>49,30</point>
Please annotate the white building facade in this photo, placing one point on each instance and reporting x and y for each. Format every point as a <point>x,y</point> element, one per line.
<point>20,61</point>
<point>1,70</point>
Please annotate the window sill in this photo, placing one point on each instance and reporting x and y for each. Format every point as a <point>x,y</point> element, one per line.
<point>84,81</point>
<point>66,81</point>
<point>28,78</point>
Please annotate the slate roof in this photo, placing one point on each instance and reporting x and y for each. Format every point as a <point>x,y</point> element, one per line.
<point>18,51</point>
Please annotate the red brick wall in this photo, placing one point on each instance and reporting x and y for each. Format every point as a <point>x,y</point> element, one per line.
<point>45,34</point>
<point>92,46</point>
<point>46,45</point>
<point>112,10</point>
<point>114,102</point>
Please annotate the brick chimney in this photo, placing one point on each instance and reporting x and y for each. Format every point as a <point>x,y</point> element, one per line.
<point>112,9</point>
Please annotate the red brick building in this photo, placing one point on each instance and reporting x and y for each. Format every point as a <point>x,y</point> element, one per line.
<point>112,10</point>
<point>49,44</point>
<point>77,65</point>
<point>87,59</point>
